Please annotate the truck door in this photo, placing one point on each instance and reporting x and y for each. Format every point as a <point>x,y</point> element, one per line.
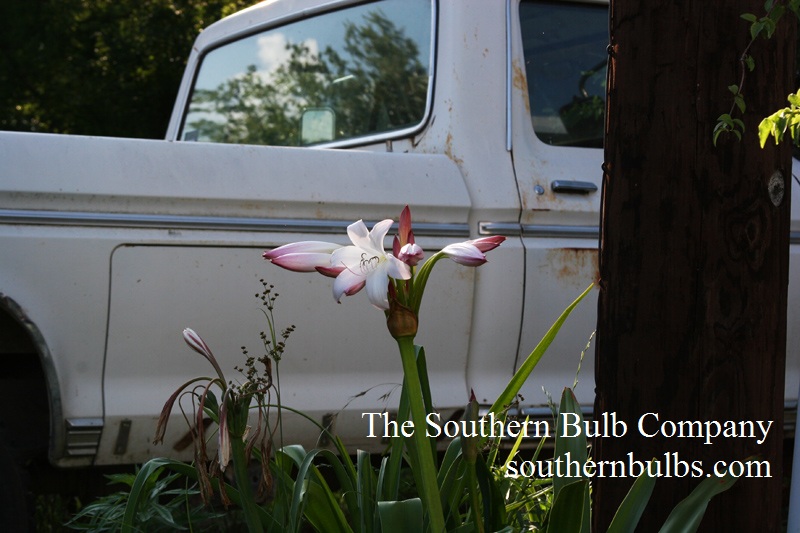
<point>558,65</point>
<point>358,75</point>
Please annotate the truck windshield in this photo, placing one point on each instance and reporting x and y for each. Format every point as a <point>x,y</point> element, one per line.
<point>346,74</point>
<point>565,58</point>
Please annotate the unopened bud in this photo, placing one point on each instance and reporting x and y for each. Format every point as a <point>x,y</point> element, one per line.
<point>469,445</point>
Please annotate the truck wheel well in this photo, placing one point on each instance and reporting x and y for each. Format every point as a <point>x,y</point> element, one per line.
<point>24,431</point>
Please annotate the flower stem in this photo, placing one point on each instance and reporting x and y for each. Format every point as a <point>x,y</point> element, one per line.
<point>430,487</point>
<point>240,470</point>
<point>472,485</point>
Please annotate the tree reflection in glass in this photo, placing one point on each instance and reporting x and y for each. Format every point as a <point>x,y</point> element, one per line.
<point>345,74</point>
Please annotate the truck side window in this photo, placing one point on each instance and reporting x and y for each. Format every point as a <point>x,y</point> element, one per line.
<point>565,60</point>
<point>346,74</point>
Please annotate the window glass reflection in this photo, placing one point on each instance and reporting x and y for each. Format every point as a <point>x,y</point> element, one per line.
<point>349,73</point>
<point>565,60</point>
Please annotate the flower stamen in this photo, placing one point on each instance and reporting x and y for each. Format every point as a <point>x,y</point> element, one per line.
<point>368,265</point>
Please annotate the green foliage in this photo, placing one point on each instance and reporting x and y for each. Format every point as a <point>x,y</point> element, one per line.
<point>159,504</point>
<point>476,493</point>
<point>766,25</point>
<point>468,491</point>
<point>727,124</point>
<point>632,507</point>
<point>686,516</point>
<point>571,511</point>
<point>401,516</point>
<point>105,67</point>
<point>506,398</point>
<point>786,120</point>
<point>572,449</point>
<point>763,26</point>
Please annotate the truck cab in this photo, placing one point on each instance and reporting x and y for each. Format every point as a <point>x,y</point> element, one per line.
<point>294,119</point>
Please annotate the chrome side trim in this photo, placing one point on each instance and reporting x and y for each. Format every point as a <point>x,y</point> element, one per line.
<point>545,231</point>
<point>83,436</point>
<point>288,225</point>
<point>508,229</point>
<point>556,232</point>
<point>561,232</point>
<point>512,229</point>
<point>214,223</point>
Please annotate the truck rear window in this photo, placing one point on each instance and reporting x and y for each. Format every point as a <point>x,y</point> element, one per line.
<point>347,74</point>
<point>565,59</point>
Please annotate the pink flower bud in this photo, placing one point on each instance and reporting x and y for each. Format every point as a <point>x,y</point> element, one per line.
<point>487,244</point>
<point>465,254</point>
<point>411,254</point>
<point>305,256</point>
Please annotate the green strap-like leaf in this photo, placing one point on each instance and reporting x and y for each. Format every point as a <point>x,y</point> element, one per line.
<point>686,516</point>
<point>365,487</point>
<point>139,492</point>
<point>571,451</point>
<point>312,496</point>
<point>632,507</point>
<point>401,517</point>
<point>568,513</point>
<point>494,508</point>
<point>514,386</point>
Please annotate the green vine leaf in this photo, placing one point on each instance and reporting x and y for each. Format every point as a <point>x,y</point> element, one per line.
<point>739,102</point>
<point>782,121</point>
<point>755,29</point>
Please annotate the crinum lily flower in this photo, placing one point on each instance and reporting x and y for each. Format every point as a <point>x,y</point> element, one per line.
<point>363,264</point>
<point>472,253</point>
<point>366,264</point>
<point>305,256</point>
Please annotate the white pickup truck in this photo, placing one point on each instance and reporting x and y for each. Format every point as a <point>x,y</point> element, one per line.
<point>294,119</point>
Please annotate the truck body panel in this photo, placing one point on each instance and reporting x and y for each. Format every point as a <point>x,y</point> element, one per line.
<point>110,247</point>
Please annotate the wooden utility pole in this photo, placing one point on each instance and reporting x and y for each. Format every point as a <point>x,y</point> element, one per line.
<point>694,253</point>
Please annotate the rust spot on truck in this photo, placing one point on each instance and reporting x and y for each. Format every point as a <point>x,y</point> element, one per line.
<point>520,81</point>
<point>577,266</point>
<point>448,150</point>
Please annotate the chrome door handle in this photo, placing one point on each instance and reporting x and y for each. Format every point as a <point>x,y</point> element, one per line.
<point>573,187</point>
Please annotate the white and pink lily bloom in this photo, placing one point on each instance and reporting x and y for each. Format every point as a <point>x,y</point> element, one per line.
<point>411,254</point>
<point>366,264</point>
<point>472,253</point>
<point>305,256</point>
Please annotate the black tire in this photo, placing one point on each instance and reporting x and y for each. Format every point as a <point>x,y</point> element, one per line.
<point>14,515</point>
